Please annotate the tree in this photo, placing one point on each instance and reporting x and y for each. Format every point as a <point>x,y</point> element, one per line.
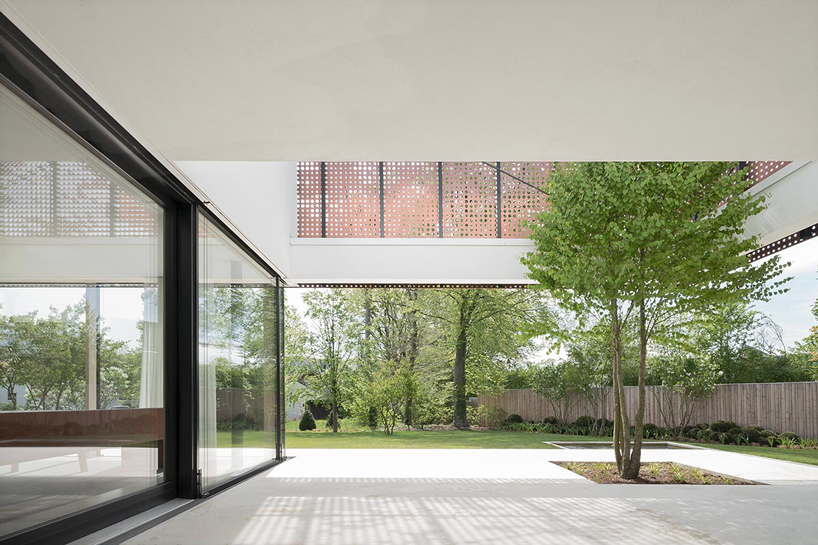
<point>391,332</point>
<point>561,384</point>
<point>645,242</point>
<point>481,327</point>
<point>685,381</point>
<point>16,335</point>
<point>332,347</point>
<point>808,348</point>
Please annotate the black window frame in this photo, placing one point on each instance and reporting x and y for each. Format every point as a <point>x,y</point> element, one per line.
<point>33,76</point>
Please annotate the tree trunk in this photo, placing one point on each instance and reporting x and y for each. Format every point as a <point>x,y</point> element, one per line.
<point>461,421</point>
<point>334,415</point>
<point>413,349</point>
<point>631,469</point>
<point>621,440</point>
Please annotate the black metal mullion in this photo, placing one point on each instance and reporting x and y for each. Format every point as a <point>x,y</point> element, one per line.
<point>323,199</point>
<point>499,202</point>
<point>280,400</point>
<point>183,352</point>
<point>440,199</point>
<point>380,193</point>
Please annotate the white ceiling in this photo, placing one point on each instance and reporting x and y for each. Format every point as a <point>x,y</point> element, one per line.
<point>446,79</point>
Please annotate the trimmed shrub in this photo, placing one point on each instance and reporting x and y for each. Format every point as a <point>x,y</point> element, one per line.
<point>771,441</point>
<point>550,420</point>
<point>307,422</point>
<point>514,419</point>
<point>604,423</point>
<point>767,433</point>
<point>790,435</point>
<point>752,433</point>
<point>584,422</point>
<point>702,426</point>
<point>686,429</point>
<point>734,431</point>
<point>721,426</point>
<point>692,433</point>
<point>650,430</point>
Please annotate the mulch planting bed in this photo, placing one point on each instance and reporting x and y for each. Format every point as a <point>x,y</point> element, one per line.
<point>649,473</point>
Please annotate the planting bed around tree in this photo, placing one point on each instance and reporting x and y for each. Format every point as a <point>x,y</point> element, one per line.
<point>650,473</point>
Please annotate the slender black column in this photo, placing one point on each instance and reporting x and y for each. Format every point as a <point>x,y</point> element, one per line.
<point>499,202</point>
<point>440,199</point>
<point>185,317</point>
<point>323,200</point>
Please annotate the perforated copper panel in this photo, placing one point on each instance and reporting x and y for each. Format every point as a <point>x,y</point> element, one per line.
<point>521,203</point>
<point>352,200</point>
<point>83,201</point>
<point>309,200</point>
<point>410,200</point>
<point>759,170</point>
<point>26,198</point>
<point>68,199</point>
<point>469,200</point>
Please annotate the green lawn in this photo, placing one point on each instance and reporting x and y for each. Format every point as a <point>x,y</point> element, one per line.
<point>354,437</point>
<point>790,455</point>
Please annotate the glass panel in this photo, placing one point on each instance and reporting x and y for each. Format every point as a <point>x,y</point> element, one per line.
<point>81,365</point>
<point>237,360</point>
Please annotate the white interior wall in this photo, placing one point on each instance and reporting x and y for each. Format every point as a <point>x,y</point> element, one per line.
<point>259,198</point>
<point>423,261</point>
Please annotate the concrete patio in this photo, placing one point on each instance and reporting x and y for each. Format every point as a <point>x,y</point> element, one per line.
<point>502,496</point>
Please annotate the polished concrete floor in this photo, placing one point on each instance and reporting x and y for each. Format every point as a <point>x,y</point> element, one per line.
<point>496,496</point>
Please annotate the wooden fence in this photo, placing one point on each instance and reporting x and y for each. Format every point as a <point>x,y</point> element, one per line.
<point>779,407</point>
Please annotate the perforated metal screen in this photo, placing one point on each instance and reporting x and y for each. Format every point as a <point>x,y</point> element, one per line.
<point>520,202</point>
<point>410,194</point>
<point>68,199</point>
<point>428,199</point>
<point>760,170</point>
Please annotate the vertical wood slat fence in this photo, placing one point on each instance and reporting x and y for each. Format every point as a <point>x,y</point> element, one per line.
<point>779,407</point>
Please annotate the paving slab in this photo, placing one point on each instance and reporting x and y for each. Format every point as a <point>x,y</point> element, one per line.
<point>359,497</point>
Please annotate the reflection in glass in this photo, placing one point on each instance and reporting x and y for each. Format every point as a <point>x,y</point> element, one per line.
<point>237,360</point>
<point>81,298</point>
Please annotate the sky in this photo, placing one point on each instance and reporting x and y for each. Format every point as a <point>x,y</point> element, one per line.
<point>122,306</point>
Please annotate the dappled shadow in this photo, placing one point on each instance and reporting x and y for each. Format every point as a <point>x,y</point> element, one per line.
<point>457,519</point>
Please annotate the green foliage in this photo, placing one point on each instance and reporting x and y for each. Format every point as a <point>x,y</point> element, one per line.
<point>328,422</point>
<point>808,348</point>
<point>481,336</point>
<point>514,419</point>
<point>332,346</point>
<point>752,433</point>
<point>47,356</point>
<point>612,243</point>
<point>485,416</point>
<point>721,426</point>
<point>307,422</point>
<point>372,418</point>
<point>585,421</point>
<point>790,435</point>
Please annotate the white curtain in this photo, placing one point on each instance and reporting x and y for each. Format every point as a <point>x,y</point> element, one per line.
<point>151,389</point>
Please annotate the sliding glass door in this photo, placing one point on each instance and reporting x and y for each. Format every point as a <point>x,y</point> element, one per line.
<point>81,331</point>
<point>238,331</point>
